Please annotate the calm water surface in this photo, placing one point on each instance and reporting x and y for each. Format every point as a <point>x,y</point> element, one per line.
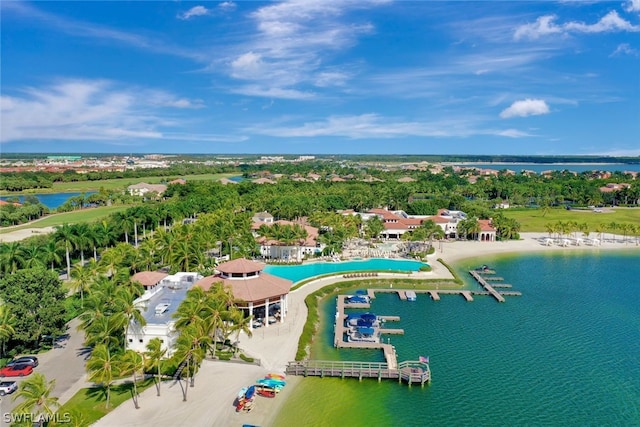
<point>52,200</point>
<point>565,353</point>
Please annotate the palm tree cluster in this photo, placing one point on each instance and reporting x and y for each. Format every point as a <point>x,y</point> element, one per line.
<point>335,228</point>
<point>108,312</point>
<point>203,319</point>
<point>284,235</point>
<point>567,228</point>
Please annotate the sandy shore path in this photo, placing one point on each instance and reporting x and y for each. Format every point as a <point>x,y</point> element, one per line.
<point>210,402</point>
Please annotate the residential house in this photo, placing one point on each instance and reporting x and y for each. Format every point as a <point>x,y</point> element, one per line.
<point>143,188</point>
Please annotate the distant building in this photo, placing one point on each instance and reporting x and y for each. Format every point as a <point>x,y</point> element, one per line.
<point>143,188</point>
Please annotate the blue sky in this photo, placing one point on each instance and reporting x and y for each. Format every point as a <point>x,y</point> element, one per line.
<point>319,76</point>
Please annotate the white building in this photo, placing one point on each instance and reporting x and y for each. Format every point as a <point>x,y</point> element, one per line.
<point>163,294</point>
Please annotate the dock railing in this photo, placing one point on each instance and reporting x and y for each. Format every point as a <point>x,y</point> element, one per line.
<point>411,372</point>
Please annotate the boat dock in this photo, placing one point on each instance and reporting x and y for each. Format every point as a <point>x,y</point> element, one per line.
<point>489,289</point>
<point>411,372</point>
<point>340,330</point>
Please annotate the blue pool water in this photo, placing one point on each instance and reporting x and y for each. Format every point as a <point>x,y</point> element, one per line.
<point>296,273</point>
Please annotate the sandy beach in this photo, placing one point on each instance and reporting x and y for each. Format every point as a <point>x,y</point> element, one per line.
<point>14,236</point>
<point>210,402</point>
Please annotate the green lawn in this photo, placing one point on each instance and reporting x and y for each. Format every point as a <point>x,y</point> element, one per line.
<point>84,215</point>
<point>120,183</point>
<point>89,404</point>
<point>110,184</point>
<point>535,220</point>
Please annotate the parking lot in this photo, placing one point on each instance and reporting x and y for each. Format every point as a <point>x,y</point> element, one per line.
<point>64,363</point>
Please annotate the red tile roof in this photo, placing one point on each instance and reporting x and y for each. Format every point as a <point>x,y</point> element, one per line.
<point>240,266</point>
<point>148,278</point>
<point>485,225</point>
<point>250,289</point>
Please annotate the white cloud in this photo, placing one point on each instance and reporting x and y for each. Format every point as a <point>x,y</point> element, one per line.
<point>292,45</point>
<point>194,11</point>
<point>633,6</point>
<point>543,26</point>
<point>247,66</point>
<point>513,133</point>
<point>375,126</point>
<point>546,25</point>
<point>624,49</point>
<point>273,92</point>
<point>525,107</point>
<point>87,110</point>
<point>227,6</point>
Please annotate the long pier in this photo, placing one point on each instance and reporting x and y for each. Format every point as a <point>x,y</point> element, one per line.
<point>411,372</point>
<point>488,288</point>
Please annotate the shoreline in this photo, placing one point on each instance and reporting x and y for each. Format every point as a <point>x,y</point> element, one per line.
<point>210,402</point>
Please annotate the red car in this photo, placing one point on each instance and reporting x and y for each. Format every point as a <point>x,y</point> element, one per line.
<point>16,371</point>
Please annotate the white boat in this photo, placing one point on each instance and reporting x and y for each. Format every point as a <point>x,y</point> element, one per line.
<point>411,296</point>
<point>363,334</point>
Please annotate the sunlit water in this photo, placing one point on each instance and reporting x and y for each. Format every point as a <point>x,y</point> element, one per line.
<point>565,353</point>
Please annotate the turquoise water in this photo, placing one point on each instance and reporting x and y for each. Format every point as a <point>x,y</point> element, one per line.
<point>567,352</point>
<point>296,273</point>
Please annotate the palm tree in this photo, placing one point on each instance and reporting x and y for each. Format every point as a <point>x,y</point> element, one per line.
<point>131,363</point>
<point>613,226</point>
<point>192,309</point>
<point>82,277</point>
<point>102,368</point>
<point>84,238</point>
<point>241,323</point>
<point>32,257</point>
<point>155,355</point>
<point>51,252</point>
<point>35,393</point>
<point>103,236</point>
<point>192,346</point>
<point>7,321</point>
<point>12,256</point>
<point>64,233</point>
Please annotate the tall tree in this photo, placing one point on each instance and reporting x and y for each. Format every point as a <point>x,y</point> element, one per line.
<point>36,298</point>
<point>155,356</point>
<point>35,393</point>
<point>132,363</point>
<point>103,368</point>
<point>7,320</point>
<point>64,233</point>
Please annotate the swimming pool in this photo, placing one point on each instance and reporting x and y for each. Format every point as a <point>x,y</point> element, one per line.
<point>296,273</point>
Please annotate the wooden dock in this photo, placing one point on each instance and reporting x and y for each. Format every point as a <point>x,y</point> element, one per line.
<point>410,372</point>
<point>340,330</point>
<point>487,286</point>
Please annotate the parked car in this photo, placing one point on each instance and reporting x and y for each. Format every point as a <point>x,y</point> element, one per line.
<point>24,360</point>
<point>7,387</point>
<point>16,370</point>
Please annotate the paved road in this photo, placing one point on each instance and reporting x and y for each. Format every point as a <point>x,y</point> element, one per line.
<point>64,363</point>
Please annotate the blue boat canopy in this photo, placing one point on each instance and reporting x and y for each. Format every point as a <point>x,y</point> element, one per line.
<point>366,330</point>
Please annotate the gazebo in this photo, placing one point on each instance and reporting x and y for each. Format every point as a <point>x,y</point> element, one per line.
<point>253,289</point>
